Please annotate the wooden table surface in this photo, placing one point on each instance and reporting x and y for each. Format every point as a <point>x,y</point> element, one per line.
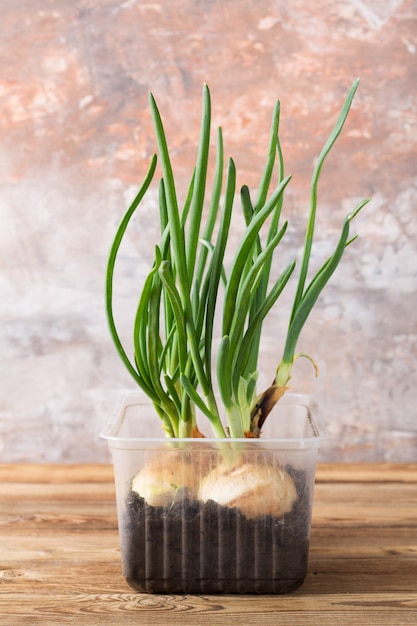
<point>60,560</point>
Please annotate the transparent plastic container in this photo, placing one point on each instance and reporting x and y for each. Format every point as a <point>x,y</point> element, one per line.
<point>215,516</point>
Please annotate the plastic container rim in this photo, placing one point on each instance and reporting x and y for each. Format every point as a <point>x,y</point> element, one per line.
<point>109,433</point>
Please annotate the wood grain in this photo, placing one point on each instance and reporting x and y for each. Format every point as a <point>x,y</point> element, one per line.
<point>60,559</point>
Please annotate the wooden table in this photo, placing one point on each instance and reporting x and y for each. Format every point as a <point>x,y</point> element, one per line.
<point>60,560</point>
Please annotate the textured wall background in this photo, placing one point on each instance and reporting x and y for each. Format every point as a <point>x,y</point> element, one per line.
<point>76,139</point>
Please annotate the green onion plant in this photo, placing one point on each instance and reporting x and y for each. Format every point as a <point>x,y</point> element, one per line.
<point>172,358</point>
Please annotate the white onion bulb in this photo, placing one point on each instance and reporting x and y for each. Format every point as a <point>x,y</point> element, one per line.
<point>256,489</point>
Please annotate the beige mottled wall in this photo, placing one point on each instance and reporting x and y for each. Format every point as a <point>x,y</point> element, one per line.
<point>76,139</point>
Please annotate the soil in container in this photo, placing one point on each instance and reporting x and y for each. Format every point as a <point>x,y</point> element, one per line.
<point>203,547</point>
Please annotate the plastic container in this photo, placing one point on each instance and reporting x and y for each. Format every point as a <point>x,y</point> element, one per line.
<point>210,515</point>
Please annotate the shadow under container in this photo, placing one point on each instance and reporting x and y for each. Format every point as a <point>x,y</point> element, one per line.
<point>178,538</point>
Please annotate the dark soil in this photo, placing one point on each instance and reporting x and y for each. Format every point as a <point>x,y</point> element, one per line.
<point>196,547</point>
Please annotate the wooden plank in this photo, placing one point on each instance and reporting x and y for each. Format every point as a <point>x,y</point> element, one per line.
<point>351,556</point>
<point>87,473</point>
<point>51,473</point>
<point>366,472</point>
<point>343,491</point>
<point>62,491</point>
<point>369,504</point>
<point>127,609</point>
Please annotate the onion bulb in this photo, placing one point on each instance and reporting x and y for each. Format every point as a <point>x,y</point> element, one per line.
<point>255,489</point>
<point>168,476</point>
